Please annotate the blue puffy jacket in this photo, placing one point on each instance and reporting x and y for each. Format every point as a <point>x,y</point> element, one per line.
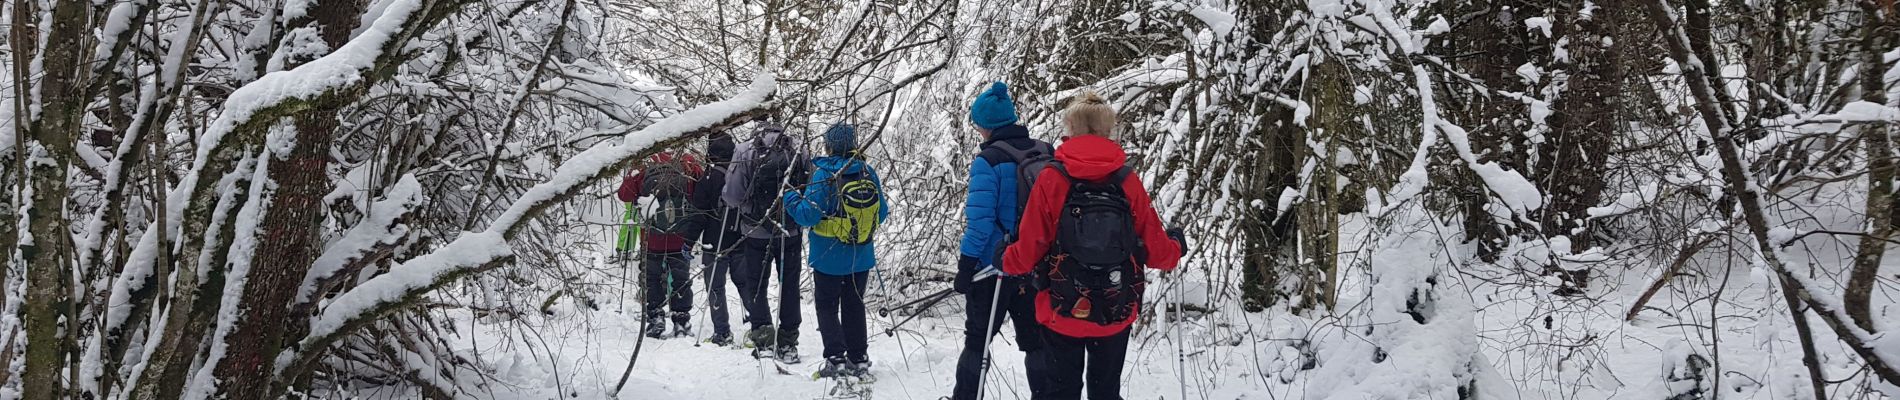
<point>990,206</point>
<point>807,205</point>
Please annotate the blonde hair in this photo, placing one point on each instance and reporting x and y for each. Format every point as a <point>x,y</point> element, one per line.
<point>1089,114</point>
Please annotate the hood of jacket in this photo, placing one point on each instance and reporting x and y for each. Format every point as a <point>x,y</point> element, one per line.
<point>1090,157</point>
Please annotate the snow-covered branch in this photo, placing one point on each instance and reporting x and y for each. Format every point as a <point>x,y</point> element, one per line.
<point>474,252</point>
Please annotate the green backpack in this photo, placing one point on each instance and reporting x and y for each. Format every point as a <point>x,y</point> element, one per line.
<point>858,199</point>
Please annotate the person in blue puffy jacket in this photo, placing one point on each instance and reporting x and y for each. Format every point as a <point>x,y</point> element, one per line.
<point>841,204</point>
<point>992,209</point>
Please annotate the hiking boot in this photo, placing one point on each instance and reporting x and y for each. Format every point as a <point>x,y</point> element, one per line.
<point>788,355</point>
<point>835,367</point>
<point>656,331</point>
<point>721,339</point>
<point>762,337</point>
<point>788,347</point>
<point>683,330</point>
<point>860,369</point>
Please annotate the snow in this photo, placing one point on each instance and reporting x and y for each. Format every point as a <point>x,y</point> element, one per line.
<point>243,250</point>
<point>379,228</point>
<point>1626,202</point>
<point>117,21</point>
<point>474,249</point>
<point>1862,111</point>
<point>334,71</point>
<point>1538,24</point>
<point>1529,73</point>
<point>1221,22</point>
<point>468,250</point>
<point>601,157</point>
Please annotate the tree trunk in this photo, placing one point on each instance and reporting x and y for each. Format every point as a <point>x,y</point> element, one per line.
<point>1265,231</point>
<point>1584,122</point>
<point>1335,117</point>
<point>1501,45</point>
<point>1876,37</point>
<point>290,237</point>
<point>48,304</point>
<point>288,244</point>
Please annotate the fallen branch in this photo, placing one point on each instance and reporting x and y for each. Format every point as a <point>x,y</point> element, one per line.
<point>1661,281</point>
<point>473,252</point>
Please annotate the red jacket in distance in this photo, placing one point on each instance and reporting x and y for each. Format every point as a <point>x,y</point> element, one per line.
<point>630,190</point>
<point>1089,158</point>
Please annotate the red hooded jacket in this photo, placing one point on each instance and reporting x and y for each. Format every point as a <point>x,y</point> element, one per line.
<point>630,190</point>
<point>1088,157</point>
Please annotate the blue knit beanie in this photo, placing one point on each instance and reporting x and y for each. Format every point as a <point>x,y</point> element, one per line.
<point>841,138</point>
<point>993,109</point>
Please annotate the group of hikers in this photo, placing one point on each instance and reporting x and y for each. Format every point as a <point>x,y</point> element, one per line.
<point>1056,240</point>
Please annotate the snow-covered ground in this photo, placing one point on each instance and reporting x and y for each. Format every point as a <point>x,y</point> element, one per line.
<point>1533,345</point>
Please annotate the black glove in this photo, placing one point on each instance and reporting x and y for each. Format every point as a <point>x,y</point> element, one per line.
<point>1180,239</point>
<point>800,175</point>
<point>966,269</point>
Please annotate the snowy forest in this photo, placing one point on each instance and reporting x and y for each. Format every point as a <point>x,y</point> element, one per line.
<point>1384,199</point>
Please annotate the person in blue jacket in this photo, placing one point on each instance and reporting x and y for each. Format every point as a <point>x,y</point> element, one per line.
<point>842,203</point>
<point>992,209</point>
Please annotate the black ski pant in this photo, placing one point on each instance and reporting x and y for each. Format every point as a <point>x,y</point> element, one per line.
<point>717,263</point>
<point>753,273</point>
<point>1072,360</point>
<point>840,303</point>
<point>668,282</point>
<point>1015,305</point>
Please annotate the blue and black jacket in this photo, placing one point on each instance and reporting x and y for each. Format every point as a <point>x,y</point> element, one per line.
<point>808,204</point>
<point>990,206</point>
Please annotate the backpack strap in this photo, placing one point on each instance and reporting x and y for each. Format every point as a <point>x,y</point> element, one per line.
<point>1020,154</point>
<point>1115,178</point>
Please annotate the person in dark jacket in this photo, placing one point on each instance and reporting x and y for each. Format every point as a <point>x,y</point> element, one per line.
<point>841,268</point>
<point>667,255</point>
<point>768,244</point>
<point>1079,350</point>
<point>990,213</point>
<point>718,234</point>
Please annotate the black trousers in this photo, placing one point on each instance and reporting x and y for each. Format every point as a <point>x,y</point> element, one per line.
<point>1075,360</point>
<point>840,303</point>
<point>717,263</point>
<point>668,282</point>
<point>1015,305</point>
<point>753,272</point>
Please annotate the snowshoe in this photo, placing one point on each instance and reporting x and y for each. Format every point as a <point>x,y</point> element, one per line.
<point>862,371</point>
<point>788,355</point>
<point>763,337</point>
<point>656,330</point>
<point>835,367</point>
<point>682,330</point>
<point>720,339</point>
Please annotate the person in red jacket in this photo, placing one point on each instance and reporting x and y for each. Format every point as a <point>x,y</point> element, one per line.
<point>667,225</point>
<point>1077,349</point>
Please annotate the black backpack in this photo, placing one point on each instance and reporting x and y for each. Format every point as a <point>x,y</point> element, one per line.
<point>1092,272</point>
<point>670,188</point>
<point>764,182</point>
<point>1029,164</point>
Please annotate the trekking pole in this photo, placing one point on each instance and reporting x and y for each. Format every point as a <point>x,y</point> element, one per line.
<point>988,332</point>
<point>1180,357</point>
<point>933,300</point>
<point>640,340</point>
<point>924,301</point>
<point>622,247</point>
